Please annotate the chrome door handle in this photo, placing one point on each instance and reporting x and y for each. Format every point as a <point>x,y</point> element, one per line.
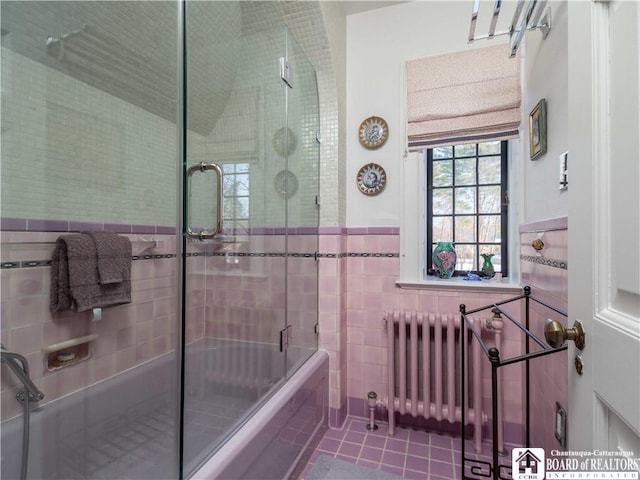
<point>205,167</point>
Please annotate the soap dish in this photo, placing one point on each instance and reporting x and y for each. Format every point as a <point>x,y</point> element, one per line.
<point>65,356</point>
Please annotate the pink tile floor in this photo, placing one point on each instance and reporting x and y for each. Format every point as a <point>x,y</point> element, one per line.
<point>412,454</point>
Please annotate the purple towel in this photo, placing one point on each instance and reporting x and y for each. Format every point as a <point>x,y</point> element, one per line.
<point>75,281</point>
<point>114,257</point>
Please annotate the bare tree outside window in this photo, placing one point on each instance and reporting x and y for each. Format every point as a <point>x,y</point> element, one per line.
<point>236,189</point>
<point>467,203</point>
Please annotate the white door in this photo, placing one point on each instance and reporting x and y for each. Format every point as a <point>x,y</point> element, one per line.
<point>604,224</point>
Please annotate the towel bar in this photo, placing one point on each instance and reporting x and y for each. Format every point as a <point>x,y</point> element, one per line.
<point>70,343</point>
<point>138,247</point>
<point>529,18</point>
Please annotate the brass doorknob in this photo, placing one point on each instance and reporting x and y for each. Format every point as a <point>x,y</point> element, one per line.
<point>556,334</point>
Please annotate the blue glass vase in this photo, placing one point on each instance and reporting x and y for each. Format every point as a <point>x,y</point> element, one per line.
<point>444,259</point>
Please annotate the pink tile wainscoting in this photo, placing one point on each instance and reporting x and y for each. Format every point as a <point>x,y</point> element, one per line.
<point>358,269</point>
<point>546,272</point>
<point>127,335</point>
<point>366,267</point>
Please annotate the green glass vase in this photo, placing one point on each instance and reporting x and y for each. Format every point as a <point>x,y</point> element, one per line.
<point>487,267</point>
<point>444,259</point>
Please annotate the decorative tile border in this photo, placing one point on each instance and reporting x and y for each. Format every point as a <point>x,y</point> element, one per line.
<point>153,257</point>
<point>36,225</point>
<point>358,255</point>
<point>10,265</point>
<point>549,262</point>
<point>312,255</point>
<point>42,225</point>
<point>294,255</point>
<point>330,255</point>
<point>47,263</point>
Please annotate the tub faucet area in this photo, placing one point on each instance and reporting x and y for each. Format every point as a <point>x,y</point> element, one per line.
<point>20,367</point>
<point>27,394</point>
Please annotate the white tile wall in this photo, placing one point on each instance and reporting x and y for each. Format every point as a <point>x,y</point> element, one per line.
<point>73,152</point>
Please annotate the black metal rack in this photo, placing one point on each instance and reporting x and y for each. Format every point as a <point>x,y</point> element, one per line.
<point>493,354</point>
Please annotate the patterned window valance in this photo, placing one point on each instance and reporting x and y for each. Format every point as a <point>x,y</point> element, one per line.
<point>463,97</point>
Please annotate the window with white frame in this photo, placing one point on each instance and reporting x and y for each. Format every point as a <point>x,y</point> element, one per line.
<point>463,117</point>
<point>416,250</point>
<point>236,195</point>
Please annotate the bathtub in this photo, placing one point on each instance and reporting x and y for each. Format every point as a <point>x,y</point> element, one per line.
<point>125,427</point>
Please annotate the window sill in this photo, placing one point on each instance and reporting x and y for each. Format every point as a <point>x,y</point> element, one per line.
<point>458,283</point>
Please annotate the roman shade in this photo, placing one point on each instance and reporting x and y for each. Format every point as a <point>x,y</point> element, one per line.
<point>464,97</point>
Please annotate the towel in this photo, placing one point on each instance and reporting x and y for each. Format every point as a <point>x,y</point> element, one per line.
<point>75,278</point>
<point>114,257</point>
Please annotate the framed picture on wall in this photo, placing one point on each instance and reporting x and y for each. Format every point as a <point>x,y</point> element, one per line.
<point>538,130</point>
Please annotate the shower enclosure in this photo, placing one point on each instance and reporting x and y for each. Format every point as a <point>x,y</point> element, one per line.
<point>191,128</point>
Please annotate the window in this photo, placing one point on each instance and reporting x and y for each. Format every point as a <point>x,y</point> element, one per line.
<point>466,203</point>
<point>236,195</point>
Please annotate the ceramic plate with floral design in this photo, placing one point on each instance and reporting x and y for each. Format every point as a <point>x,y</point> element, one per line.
<point>371,179</point>
<point>373,132</point>
<point>286,184</point>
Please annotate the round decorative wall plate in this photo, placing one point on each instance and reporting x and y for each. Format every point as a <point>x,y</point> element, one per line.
<point>286,184</point>
<point>284,141</point>
<point>373,132</point>
<point>371,179</point>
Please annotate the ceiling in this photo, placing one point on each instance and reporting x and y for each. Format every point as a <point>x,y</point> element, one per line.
<point>352,7</point>
<point>129,50</point>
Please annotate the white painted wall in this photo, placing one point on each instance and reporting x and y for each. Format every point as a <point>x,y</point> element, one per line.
<point>378,44</point>
<point>546,76</point>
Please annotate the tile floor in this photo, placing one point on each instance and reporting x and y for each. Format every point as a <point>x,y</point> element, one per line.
<point>412,454</point>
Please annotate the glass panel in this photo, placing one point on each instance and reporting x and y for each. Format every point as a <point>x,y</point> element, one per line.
<point>477,202</point>
<point>465,229</point>
<point>241,210</point>
<point>303,161</point>
<point>465,150</point>
<point>489,198</point>
<point>489,170</point>
<point>236,168</point>
<point>236,194</point>
<point>241,187</point>
<point>467,258</point>
<point>489,148</point>
<point>466,172</point>
<point>442,152</point>
<point>89,143</point>
<point>442,201</point>
<point>443,173</point>
<point>465,200</point>
<point>490,229</point>
<point>235,298</point>
<point>442,229</point>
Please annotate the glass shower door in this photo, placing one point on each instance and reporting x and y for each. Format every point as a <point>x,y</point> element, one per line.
<point>303,163</point>
<point>88,141</point>
<point>235,287</point>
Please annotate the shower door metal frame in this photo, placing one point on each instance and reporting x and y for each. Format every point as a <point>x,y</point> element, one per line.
<point>181,216</point>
